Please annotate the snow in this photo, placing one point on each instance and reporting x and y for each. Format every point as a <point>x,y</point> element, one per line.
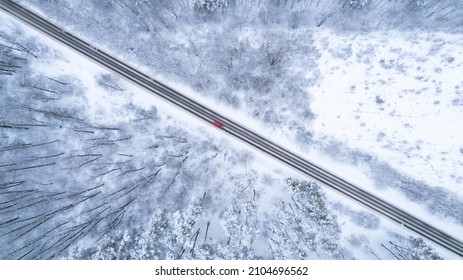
<point>409,121</point>
<point>416,127</point>
<point>265,164</point>
<point>333,94</point>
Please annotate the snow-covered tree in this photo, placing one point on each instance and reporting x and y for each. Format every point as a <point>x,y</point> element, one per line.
<point>304,228</point>
<point>358,3</point>
<point>410,248</point>
<point>168,236</point>
<point>152,245</point>
<point>239,222</point>
<point>135,244</point>
<point>421,2</point>
<point>209,6</point>
<point>183,223</point>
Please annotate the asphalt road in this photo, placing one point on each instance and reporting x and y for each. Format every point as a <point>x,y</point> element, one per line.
<point>229,126</point>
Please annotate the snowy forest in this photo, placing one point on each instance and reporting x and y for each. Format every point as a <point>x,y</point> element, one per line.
<point>90,171</point>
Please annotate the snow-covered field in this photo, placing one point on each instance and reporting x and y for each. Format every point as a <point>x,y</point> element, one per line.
<point>379,93</point>
<point>397,96</point>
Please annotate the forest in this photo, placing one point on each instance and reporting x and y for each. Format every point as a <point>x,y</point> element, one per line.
<point>83,180</point>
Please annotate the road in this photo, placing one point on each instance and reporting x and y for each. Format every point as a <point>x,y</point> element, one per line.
<point>229,126</point>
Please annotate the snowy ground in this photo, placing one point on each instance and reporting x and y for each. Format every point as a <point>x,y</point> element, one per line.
<point>378,109</point>
<point>398,96</point>
<point>362,231</point>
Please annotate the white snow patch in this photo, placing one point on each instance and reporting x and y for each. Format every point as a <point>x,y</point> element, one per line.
<point>396,96</point>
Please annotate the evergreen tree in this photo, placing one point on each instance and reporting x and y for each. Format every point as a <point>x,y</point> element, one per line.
<point>168,236</point>
<point>358,3</point>
<point>240,223</point>
<point>421,2</point>
<point>410,248</point>
<point>304,228</point>
<point>209,6</point>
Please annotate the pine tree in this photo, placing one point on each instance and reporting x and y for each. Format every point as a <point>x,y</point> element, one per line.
<point>421,2</point>
<point>410,248</point>
<point>183,223</point>
<point>168,236</point>
<point>240,223</point>
<point>209,6</point>
<point>358,3</point>
<point>304,228</point>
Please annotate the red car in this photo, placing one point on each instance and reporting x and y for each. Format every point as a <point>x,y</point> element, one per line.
<point>218,124</point>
